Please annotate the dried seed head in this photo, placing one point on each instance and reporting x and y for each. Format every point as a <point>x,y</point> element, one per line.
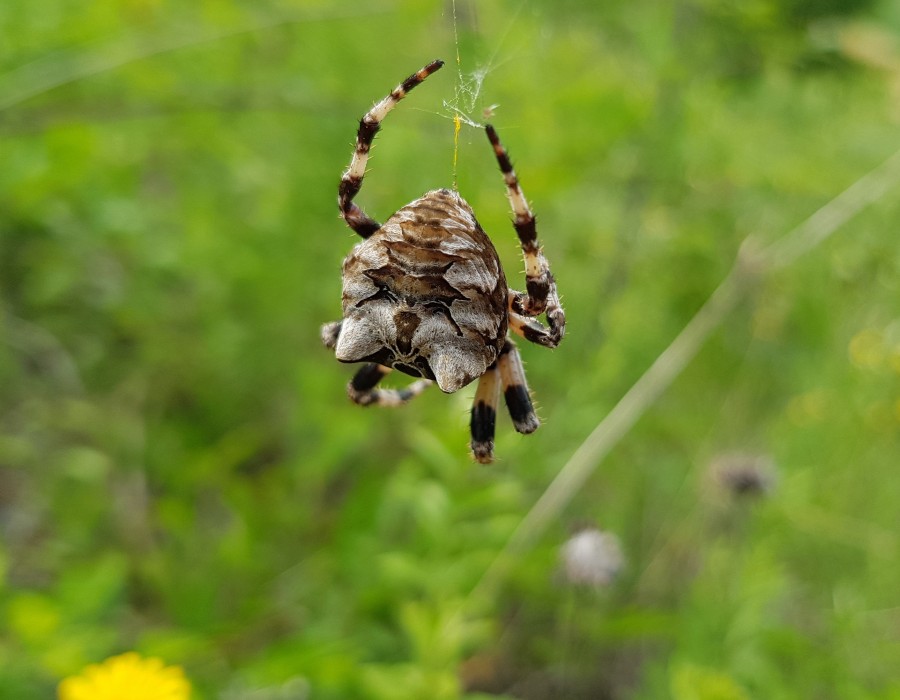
<point>592,558</point>
<point>742,474</point>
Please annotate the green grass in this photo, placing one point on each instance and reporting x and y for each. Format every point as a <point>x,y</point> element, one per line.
<point>181,473</point>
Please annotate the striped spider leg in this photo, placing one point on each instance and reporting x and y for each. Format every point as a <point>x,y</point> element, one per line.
<point>369,125</point>
<point>506,376</point>
<point>541,295</point>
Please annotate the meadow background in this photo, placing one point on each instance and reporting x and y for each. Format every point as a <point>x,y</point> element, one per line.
<point>181,472</point>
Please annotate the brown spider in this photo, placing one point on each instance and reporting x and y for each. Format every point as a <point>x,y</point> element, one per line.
<point>425,294</point>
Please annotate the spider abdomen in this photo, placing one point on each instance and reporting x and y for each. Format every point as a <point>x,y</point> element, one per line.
<point>426,294</point>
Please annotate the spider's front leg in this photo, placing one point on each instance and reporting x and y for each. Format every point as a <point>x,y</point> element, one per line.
<point>515,390</point>
<point>484,416</point>
<point>506,375</point>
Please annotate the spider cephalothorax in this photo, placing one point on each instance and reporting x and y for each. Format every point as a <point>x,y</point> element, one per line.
<point>425,294</point>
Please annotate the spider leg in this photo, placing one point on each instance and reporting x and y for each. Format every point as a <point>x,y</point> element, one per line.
<point>329,334</point>
<point>541,295</point>
<point>515,390</point>
<point>362,391</point>
<point>484,416</point>
<point>369,125</point>
<point>533,330</point>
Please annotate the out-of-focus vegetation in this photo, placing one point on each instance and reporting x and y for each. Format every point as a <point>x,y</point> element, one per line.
<point>181,473</point>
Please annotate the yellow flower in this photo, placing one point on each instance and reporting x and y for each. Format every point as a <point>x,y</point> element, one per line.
<point>127,677</point>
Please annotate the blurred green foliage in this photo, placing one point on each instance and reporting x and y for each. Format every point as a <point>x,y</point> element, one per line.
<point>181,473</point>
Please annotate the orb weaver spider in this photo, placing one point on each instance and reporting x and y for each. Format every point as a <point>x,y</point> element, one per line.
<point>425,294</point>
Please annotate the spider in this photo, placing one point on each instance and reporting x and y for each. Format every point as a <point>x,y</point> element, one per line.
<point>425,294</point>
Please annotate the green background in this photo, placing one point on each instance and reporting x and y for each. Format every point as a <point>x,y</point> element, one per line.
<point>182,474</point>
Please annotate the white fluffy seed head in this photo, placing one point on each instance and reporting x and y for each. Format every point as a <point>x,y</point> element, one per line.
<point>592,558</point>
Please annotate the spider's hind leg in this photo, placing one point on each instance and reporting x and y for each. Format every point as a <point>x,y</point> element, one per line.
<point>362,388</point>
<point>351,180</point>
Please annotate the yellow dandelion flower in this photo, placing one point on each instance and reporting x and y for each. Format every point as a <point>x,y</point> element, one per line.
<point>127,677</point>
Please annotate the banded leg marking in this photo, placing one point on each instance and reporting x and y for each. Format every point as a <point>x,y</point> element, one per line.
<point>515,390</point>
<point>351,180</point>
<point>362,388</point>
<point>538,280</point>
<point>533,330</point>
<point>484,416</point>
